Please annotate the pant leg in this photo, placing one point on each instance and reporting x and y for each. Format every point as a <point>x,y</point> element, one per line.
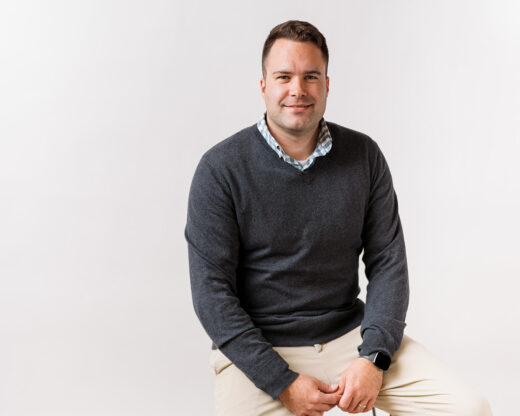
<point>417,383</point>
<point>236,395</point>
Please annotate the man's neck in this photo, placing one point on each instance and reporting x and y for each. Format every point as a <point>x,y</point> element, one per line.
<point>298,147</point>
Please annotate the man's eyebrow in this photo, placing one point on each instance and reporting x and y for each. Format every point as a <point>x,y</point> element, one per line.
<point>311,71</point>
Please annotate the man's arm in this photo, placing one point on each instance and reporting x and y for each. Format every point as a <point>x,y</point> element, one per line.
<point>387,291</point>
<point>213,246</point>
<point>385,266</point>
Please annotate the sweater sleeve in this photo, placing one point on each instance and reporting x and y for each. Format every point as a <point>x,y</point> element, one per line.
<point>213,239</point>
<point>385,265</point>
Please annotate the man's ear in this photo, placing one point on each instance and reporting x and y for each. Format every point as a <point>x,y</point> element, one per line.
<point>262,86</point>
<point>328,79</point>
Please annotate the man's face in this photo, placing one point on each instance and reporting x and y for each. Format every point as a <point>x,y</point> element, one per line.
<point>294,87</point>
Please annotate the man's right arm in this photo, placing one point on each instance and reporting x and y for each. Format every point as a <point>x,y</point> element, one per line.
<point>213,240</point>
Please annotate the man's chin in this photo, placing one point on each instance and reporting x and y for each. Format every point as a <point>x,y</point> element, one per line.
<point>295,125</point>
<point>299,126</point>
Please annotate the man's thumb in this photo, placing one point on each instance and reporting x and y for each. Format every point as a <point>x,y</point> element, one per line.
<point>327,388</point>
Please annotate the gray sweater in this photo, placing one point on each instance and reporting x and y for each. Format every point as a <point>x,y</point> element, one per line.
<point>274,251</point>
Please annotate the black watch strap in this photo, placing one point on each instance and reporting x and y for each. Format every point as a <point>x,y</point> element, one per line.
<point>380,360</point>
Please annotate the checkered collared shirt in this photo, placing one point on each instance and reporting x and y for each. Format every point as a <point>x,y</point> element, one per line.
<point>322,148</point>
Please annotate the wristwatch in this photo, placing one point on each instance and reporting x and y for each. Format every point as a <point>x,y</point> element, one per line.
<point>380,359</point>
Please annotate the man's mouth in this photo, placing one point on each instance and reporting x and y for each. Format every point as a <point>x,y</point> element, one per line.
<point>298,107</point>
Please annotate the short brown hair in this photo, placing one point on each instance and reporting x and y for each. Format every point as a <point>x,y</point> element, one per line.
<point>298,31</point>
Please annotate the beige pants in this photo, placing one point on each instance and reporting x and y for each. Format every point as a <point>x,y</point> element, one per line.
<point>416,383</point>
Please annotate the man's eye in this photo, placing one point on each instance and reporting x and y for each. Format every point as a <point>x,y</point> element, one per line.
<point>311,77</point>
<point>283,77</point>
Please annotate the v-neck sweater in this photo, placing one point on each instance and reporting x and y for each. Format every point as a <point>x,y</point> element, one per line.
<point>274,251</point>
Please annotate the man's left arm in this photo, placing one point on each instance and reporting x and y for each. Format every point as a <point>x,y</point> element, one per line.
<point>385,266</point>
<point>387,292</point>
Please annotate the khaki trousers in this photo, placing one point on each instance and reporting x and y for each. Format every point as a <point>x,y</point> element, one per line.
<point>416,383</point>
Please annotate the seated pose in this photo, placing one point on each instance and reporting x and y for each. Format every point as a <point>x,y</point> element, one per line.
<point>278,216</point>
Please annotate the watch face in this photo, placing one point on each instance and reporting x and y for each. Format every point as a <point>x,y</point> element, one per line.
<point>382,361</point>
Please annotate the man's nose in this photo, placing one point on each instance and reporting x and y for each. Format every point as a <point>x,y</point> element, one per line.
<point>297,87</point>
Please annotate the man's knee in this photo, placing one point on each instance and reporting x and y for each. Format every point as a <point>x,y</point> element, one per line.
<point>472,403</point>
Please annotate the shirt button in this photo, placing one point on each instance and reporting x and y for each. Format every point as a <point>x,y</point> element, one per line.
<point>318,347</point>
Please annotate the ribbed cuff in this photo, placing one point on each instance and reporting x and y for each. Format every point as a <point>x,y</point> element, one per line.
<point>376,339</point>
<point>274,377</point>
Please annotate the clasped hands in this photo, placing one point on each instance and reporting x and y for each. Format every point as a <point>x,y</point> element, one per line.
<point>357,391</point>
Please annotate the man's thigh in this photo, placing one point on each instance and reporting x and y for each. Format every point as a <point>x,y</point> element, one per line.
<point>417,383</point>
<point>235,394</point>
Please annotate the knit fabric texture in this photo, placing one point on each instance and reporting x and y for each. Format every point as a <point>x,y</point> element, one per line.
<point>274,251</point>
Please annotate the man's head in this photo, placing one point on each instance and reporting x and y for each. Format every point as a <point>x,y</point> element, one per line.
<point>295,83</point>
<point>297,31</point>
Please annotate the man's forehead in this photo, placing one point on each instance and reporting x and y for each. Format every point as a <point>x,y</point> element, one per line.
<point>286,54</point>
<point>285,45</point>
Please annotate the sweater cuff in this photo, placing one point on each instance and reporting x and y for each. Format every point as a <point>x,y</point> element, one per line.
<point>274,377</point>
<point>376,338</point>
<point>260,363</point>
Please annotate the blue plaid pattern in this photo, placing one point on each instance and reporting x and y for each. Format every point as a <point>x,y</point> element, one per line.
<point>322,148</point>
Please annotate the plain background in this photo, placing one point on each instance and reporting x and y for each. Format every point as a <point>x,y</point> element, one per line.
<point>105,110</point>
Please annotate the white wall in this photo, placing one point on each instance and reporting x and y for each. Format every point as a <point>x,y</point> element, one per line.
<point>105,110</point>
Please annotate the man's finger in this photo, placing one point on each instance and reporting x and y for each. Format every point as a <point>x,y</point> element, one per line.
<point>341,388</point>
<point>345,400</point>
<point>370,404</point>
<point>330,399</point>
<point>327,388</point>
<point>355,404</point>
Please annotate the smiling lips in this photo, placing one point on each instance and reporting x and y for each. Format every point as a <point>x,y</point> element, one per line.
<point>298,107</point>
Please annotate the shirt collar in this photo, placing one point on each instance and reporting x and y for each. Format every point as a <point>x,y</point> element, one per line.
<point>323,145</point>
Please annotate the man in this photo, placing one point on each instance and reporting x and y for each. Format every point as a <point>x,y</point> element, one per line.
<point>278,216</point>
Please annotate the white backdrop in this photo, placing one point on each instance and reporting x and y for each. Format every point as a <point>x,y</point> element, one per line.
<point>105,110</point>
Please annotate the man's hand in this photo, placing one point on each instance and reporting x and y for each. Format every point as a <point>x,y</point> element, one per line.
<point>308,396</point>
<point>359,386</point>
